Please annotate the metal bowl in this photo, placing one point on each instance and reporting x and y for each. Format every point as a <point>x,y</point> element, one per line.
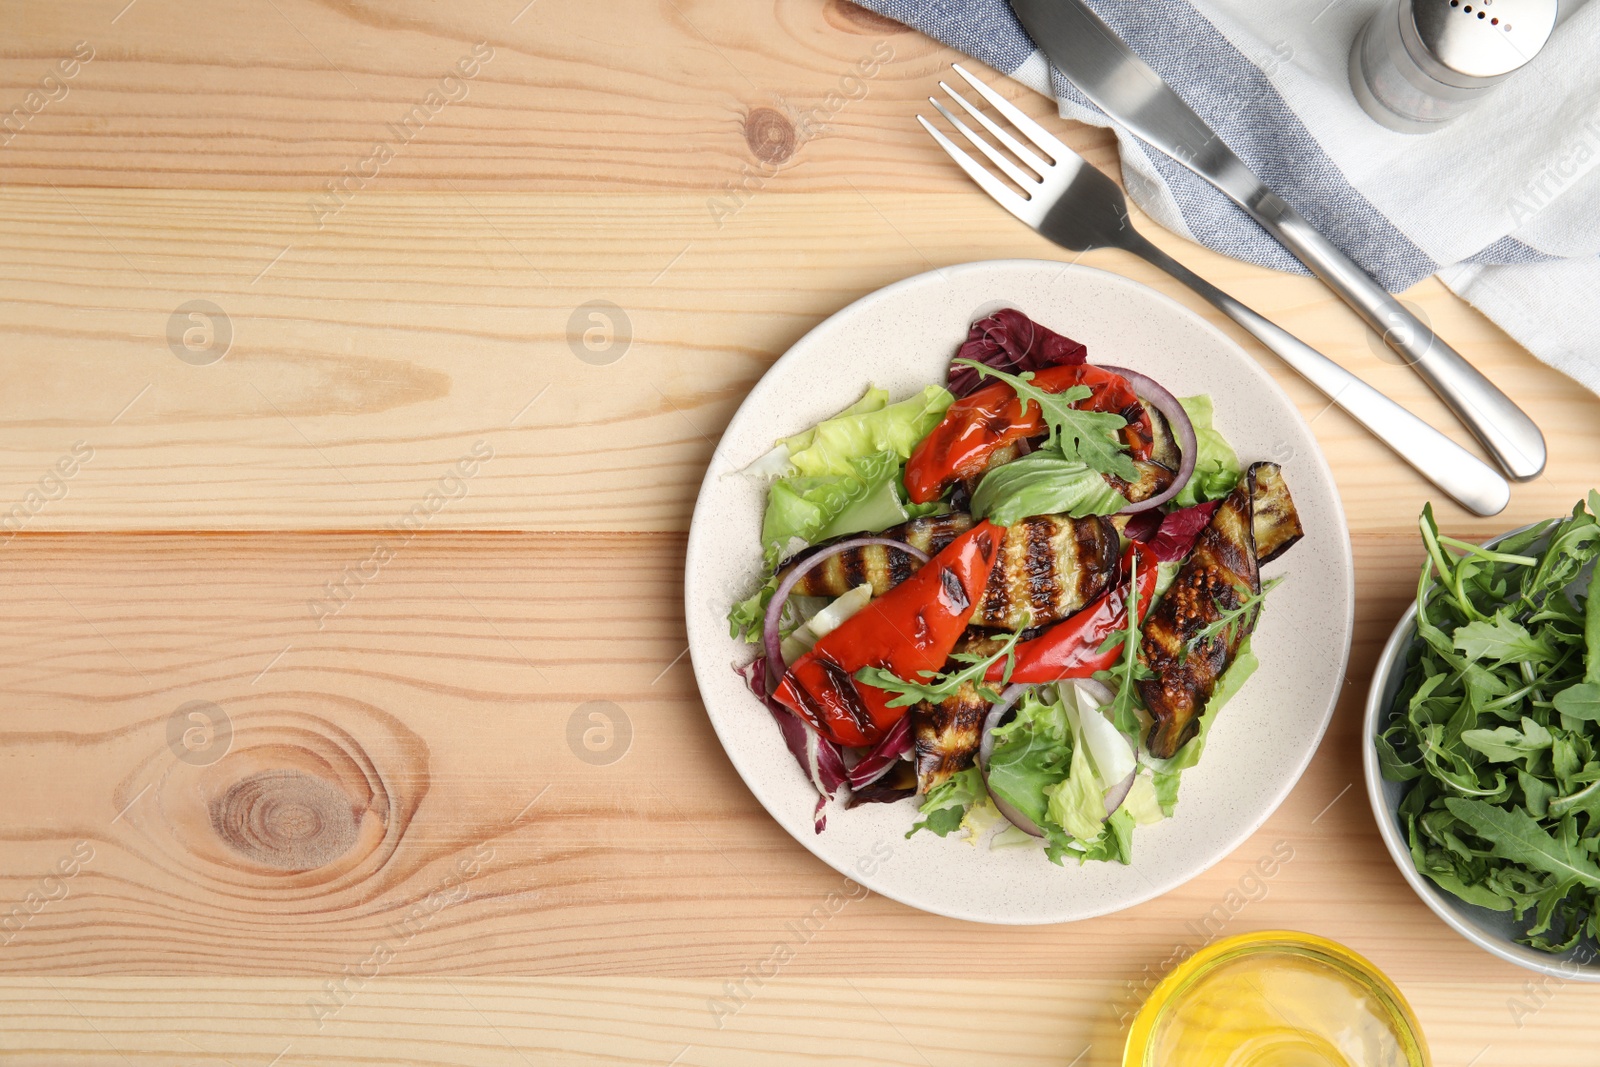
<point>1492,931</point>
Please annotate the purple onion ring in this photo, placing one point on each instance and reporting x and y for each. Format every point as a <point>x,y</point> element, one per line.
<point>1151,391</point>
<point>780,596</point>
<point>1115,795</point>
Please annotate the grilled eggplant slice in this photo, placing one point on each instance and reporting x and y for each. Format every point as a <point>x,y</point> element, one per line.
<point>1153,478</point>
<point>999,458</point>
<point>879,565</point>
<point>1219,575</point>
<point>1163,445</point>
<point>946,735</point>
<point>1049,566</point>
<point>1273,519</point>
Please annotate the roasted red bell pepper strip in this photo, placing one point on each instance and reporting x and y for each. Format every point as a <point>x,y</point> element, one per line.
<point>1071,648</point>
<point>981,423</point>
<point>911,628</point>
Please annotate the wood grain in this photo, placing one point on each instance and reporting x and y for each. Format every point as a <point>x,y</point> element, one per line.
<point>572,98</point>
<point>364,364</point>
<point>797,1022</point>
<point>346,714</point>
<point>408,771</point>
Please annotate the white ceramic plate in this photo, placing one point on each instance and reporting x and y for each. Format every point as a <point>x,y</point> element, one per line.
<point>902,338</point>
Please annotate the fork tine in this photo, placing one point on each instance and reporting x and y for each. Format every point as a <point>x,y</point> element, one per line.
<point>1015,146</point>
<point>1002,194</point>
<point>1012,171</point>
<point>1028,128</point>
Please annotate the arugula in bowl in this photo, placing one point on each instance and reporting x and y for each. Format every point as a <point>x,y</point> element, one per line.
<point>1497,725</point>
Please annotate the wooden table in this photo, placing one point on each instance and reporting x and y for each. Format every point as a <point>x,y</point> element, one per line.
<point>314,584</point>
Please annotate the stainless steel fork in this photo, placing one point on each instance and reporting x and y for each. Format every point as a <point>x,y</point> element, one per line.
<point>1079,208</point>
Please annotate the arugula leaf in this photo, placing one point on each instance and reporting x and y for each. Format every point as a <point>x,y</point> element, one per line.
<point>1501,640</point>
<point>1519,838</point>
<point>1121,679</point>
<point>940,686</point>
<point>1231,617</point>
<point>1085,436</point>
<point>1496,725</point>
<point>1581,701</point>
<point>1506,744</point>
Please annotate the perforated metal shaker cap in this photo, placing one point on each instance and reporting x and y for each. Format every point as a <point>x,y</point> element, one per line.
<point>1466,42</point>
<point>1417,64</point>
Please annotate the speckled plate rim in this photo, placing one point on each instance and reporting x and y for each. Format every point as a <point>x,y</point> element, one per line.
<point>937,875</point>
<point>1468,920</point>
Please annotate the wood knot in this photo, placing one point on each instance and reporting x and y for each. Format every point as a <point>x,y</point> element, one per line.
<point>287,819</point>
<point>769,134</point>
<point>852,18</point>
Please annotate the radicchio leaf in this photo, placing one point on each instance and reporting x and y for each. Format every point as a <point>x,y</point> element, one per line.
<point>899,783</point>
<point>1178,530</point>
<point>1010,341</point>
<point>893,746</point>
<point>820,759</point>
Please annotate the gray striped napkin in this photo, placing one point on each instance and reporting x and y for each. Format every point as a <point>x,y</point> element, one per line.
<point>1504,204</point>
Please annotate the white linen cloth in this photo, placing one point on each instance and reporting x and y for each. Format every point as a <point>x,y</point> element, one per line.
<point>1503,204</point>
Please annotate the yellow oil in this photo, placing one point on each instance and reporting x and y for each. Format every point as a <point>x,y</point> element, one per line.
<point>1276,1000</point>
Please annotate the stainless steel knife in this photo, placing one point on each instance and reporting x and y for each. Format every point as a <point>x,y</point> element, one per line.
<point>1107,71</point>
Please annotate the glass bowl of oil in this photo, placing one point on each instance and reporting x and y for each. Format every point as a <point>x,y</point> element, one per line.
<point>1276,999</point>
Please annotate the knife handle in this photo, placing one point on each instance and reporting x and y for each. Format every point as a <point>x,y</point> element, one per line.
<point>1503,428</point>
<point>1468,480</point>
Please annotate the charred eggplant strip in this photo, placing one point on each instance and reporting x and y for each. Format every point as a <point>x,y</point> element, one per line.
<point>1219,575</point>
<point>1185,654</point>
<point>1001,457</point>
<point>946,735</point>
<point>879,565</point>
<point>1154,478</point>
<point>1273,519</point>
<point>1163,445</point>
<point>1049,566</point>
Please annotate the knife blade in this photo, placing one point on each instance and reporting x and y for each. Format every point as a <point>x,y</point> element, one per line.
<point>1109,73</point>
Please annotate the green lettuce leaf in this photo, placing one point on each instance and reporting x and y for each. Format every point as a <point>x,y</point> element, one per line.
<point>1043,765</point>
<point>1216,468</point>
<point>1031,753</point>
<point>1044,483</point>
<point>803,510</point>
<point>946,804</point>
<point>834,447</point>
<point>747,617</point>
<point>1077,804</point>
<point>1167,770</point>
<point>1115,841</point>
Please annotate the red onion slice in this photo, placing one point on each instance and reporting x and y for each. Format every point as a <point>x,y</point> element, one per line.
<point>1151,391</point>
<point>1119,792</point>
<point>881,758</point>
<point>1114,796</point>
<point>780,596</point>
<point>1009,697</point>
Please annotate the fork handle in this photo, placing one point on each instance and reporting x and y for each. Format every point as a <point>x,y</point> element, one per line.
<point>1471,482</point>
